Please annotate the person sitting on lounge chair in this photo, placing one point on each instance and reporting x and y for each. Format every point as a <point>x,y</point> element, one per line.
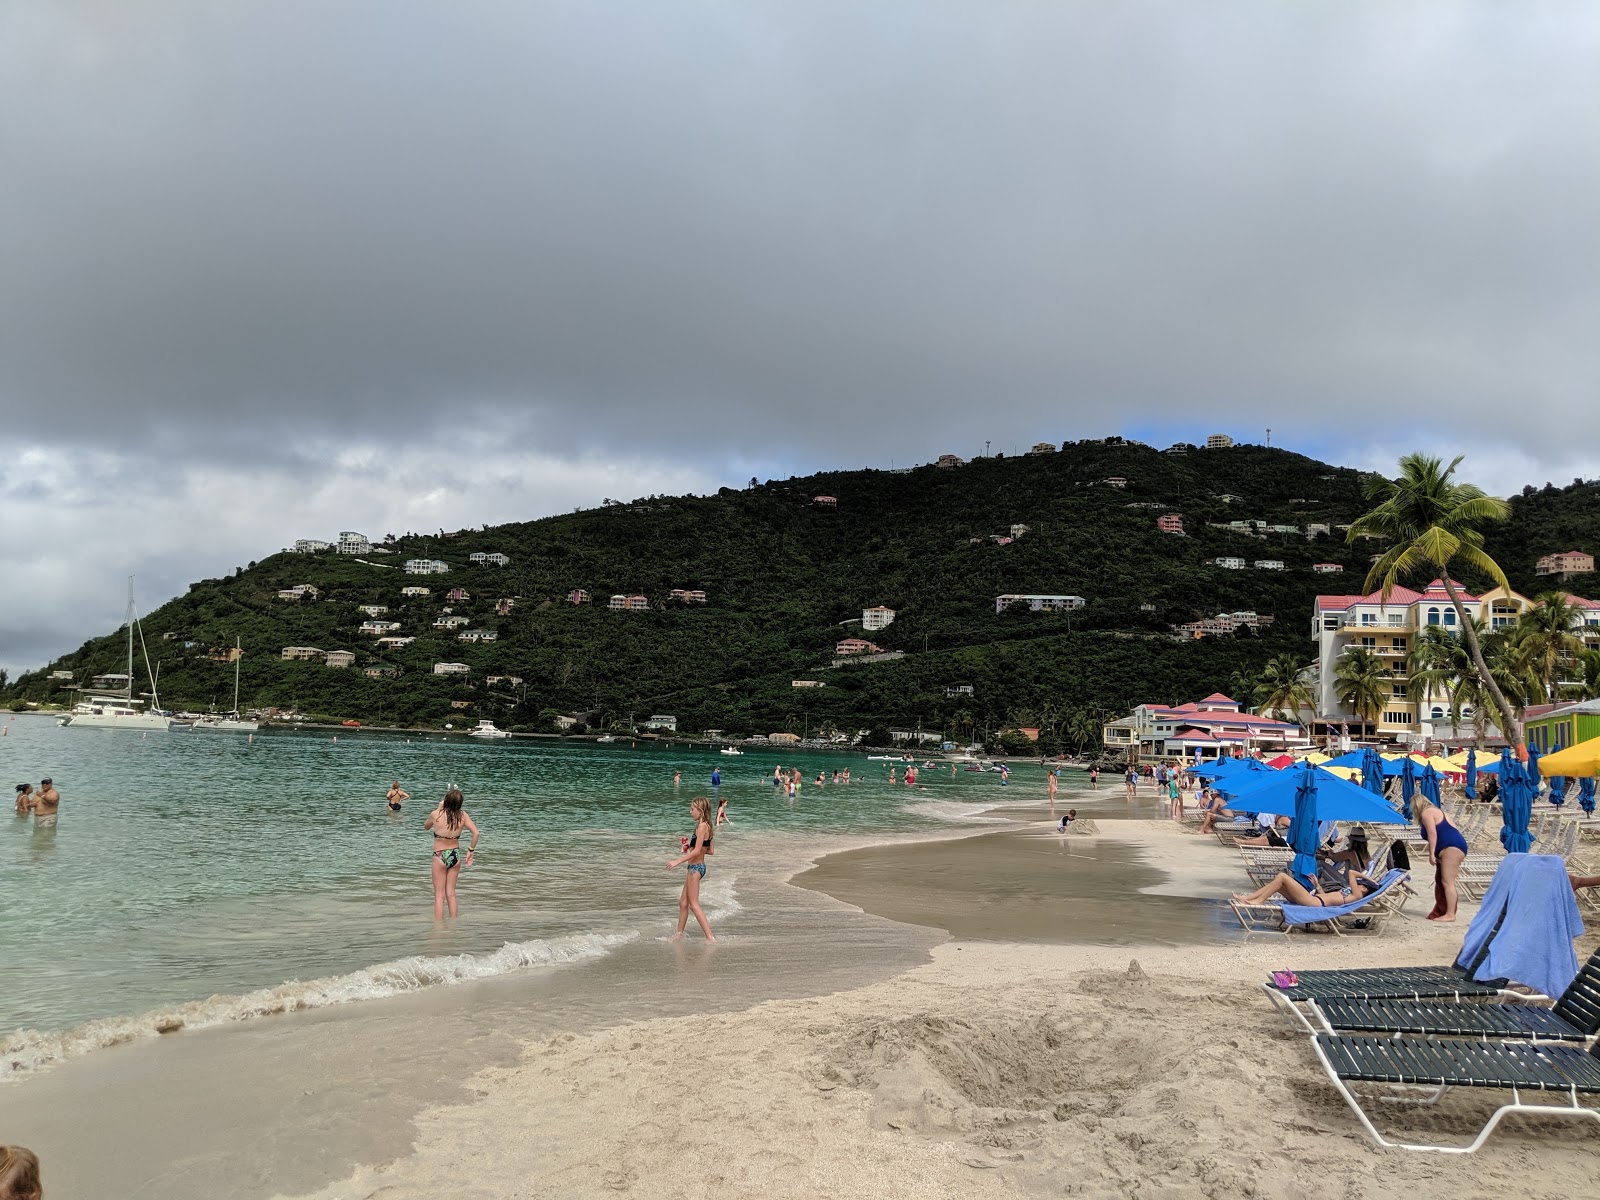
<point>1354,857</point>
<point>1583,881</point>
<point>1212,806</point>
<point>1295,892</point>
<point>1272,835</point>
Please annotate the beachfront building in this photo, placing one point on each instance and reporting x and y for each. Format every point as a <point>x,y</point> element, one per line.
<point>689,595</point>
<point>1269,564</point>
<point>1229,562</point>
<point>1563,725</point>
<point>634,603</point>
<point>1218,441</point>
<point>1170,523</point>
<point>451,669</point>
<point>662,723</point>
<point>948,462</point>
<point>1567,562</point>
<point>339,658</point>
<point>877,617</point>
<point>848,646</point>
<point>353,543</point>
<point>378,628</point>
<point>1039,603</point>
<point>1327,568</point>
<point>477,635</point>
<point>1224,622</point>
<point>426,566</point>
<point>299,654</point>
<point>1211,728</point>
<point>491,559</point>
<point>310,545</point>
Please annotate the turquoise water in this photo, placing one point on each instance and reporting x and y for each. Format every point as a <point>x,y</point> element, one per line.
<point>230,877</point>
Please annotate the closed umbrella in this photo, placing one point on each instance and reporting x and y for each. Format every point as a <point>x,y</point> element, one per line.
<point>1372,771</point>
<point>1586,794</point>
<point>1516,805</point>
<point>1558,783</point>
<point>1408,785</point>
<point>1472,775</point>
<point>1303,829</point>
<point>1531,767</point>
<point>1429,785</point>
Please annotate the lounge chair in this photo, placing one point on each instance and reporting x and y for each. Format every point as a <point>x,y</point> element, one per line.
<point>1365,915</point>
<point>1561,1070</point>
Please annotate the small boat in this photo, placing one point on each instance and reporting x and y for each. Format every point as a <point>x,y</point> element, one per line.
<point>226,722</point>
<point>730,750</point>
<point>605,737</point>
<point>486,729</point>
<point>106,710</point>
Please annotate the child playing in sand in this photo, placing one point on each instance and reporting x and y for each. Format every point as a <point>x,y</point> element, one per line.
<point>1067,818</point>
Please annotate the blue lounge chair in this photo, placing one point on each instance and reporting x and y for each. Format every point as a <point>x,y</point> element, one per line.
<point>1365,915</point>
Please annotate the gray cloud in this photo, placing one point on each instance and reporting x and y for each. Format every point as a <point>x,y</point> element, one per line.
<point>694,232</point>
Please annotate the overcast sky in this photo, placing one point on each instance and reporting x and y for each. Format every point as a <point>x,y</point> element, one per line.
<point>277,268</point>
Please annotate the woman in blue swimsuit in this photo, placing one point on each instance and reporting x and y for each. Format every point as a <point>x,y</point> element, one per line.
<point>1447,850</point>
<point>695,851</point>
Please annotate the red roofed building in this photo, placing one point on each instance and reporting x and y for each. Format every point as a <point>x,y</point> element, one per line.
<point>1566,562</point>
<point>1209,728</point>
<point>1171,523</point>
<point>856,646</point>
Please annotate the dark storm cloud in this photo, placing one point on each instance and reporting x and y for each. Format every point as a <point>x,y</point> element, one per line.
<point>646,224</point>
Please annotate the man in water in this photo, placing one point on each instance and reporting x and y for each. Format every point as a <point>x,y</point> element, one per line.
<point>716,776</point>
<point>46,801</point>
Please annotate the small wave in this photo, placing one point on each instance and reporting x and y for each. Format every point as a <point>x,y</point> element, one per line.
<point>30,1049</point>
<point>962,811</point>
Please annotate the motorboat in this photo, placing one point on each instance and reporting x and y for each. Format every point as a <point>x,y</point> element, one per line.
<point>730,750</point>
<point>487,730</point>
<point>605,737</point>
<point>107,710</point>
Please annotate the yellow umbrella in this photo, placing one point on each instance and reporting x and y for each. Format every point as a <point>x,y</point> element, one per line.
<point>1445,767</point>
<point>1348,773</point>
<point>1316,758</point>
<point>1579,760</point>
<point>1460,758</point>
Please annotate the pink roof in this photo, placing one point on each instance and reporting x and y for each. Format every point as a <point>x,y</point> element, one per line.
<point>1194,735</point>
<point>1400,596</point>
<point>1218,698</point>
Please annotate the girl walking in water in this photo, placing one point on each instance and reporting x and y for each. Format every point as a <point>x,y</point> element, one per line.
<point>447,821</point>
<point>694,862</point>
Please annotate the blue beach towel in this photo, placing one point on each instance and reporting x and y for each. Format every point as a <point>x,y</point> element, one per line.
<point>1306,914</point>
<point>1527,922</point>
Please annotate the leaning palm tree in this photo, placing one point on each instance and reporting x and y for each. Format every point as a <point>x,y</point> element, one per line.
<point>1361,682</point>
<point>1437,665</point>
<point>1434,523</point>
<point>1545,642</point>
<point>1282,689</point>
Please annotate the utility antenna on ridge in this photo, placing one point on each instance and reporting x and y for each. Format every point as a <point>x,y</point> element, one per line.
<point>1269,435</point>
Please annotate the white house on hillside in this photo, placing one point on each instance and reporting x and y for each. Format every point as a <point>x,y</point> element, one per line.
<point>353,543</point>
<point>878,617</point>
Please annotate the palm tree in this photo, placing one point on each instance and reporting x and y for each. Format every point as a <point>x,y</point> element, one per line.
<point>1361,681</point>
<point>1282,689</point>
<point>1439,663</point>
<point>1545,642</point>
<point>1434,522</point>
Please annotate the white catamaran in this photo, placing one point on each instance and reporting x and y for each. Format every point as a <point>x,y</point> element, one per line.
<point>97,710</point>
<point>230,722</point>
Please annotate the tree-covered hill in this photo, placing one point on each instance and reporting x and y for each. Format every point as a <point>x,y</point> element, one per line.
<point>785,576</point>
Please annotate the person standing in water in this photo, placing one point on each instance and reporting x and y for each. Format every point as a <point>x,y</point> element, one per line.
<point>694,862</point>
<point>395,796</point>
<point>716,776</point>
<point>1094,779</point>
<point>46,801</point>
<point>1050,786</point>
<point>677,778</point>
<point>24,799</point>
<point>447,822</point>
<point>722,812</point>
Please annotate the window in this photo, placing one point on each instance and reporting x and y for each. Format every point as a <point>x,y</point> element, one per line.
<point>1399,690</point>
<point>1330,623</point>
<point>1369,618</point>
<point>1369,643</point>
<point>1397,619</point>
<point>1450,616</point>
<point>1399,643</point>
<point>1397,718</point>
<point>1433,616</point>
<point>1437,713</point>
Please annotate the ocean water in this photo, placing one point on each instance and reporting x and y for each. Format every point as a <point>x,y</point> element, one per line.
<point>205,878</point>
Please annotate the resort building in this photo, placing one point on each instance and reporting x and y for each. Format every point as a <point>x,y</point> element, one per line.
<point>629,604</point>
<point>426,566</point>
<point>378,628</point>
<point>477,635</point>
<point>373,610</point>
<point>416,591</point>
<point>1218,441</point>
<point>688,595</point>
<point>353,543</point>
<point>302,653</point>
<point>1269,564</point>
<point>1211,728</point>
<point>662,724</point>
<point>877,617</point>
<point>339,658</point>
<point>451,669</point>
<point>1229,562</point>
<point>1327,568</point>
<point>577,596</point>
<point>492,559</point>
<point>825,501</point>
<point>1568,562</point>
<point>1116,481</point>
<point>950,461</point>
<point>1224,622</point>
<point>1171,523</point>
<point>1039,603</point>
<point>856,646</point>
<point>310,545</point>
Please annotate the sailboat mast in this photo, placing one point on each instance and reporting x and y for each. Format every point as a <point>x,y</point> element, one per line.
<point>238,654</point>
<point>130,640</point>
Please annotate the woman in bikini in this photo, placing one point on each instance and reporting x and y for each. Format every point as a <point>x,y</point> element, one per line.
<point>694,860</point>
<point>24,799</point>
<point>1295,892</point>
<point>447,821</point>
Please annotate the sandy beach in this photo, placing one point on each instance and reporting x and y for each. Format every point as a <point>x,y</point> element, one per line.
<point>1004,1069</point>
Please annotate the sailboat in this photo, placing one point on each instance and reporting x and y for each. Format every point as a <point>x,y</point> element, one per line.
<point>230,722</point>
<point>106,710</point>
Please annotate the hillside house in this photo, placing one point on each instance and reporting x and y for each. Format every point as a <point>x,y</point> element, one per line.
<point>1218,441</point>
<point>310,546</point>
<point>1327,568</point>
<point>507,680</point>
<point>59,675</point>
<point>302,654</point>
<point>381,672</point>
<point>451,669</point>
<point>1116,481</point>
<point>1314,528</point>
<point>949,462</point>
<point>634,603</point>
<point>1043,448</point>
<point>461,705</point>
<point>491,559</point>
<point>1269,564</point>
<point>689,595</point>
<point>825,501</point>
<point>339,658</point>
<point>1001,539</point>
<point>373,610</point>
<point>794,683</point>
<point>1170,523</point>
<point>577,596</point>
<point>1017,531</point>
<point>378,628</point>
<point>1224,623</point>
<point>1229,498</point>
<point>1039,603</point>
<point>957,689</point>
<point>477,635</point>
<point>353,543</point>
<point>1229,562</point>
<point>416,591</point>
<point>426,566</point>
<point>117,681</point>
<point>848,646</point>
<point>449,621</point>
<point>1566,562</point>
<point>878,617</point>
<point>1179,449</point>
<point>1283,529</point>
<point>458,594</point>
<point>662,724</point>
<point>395,643</point>
<point>300,591</point>
<point>504,605</point>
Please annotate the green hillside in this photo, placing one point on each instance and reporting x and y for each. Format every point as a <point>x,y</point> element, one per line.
<point>784,575</point>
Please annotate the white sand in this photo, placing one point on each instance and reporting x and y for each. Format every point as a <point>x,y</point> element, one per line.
<point>994,1071</point>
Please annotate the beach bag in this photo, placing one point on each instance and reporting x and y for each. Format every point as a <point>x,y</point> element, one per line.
<point>1399,856</point>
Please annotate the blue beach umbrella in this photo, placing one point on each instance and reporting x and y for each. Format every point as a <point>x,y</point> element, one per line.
<point>1408,785</point>
<point>1429,784</point>
<point>1303,829</point>
<point>1516,804</point>
<point>1558,785</point>
<point>1372,771</point>
<point>1535,780</point>
<point>1586,793</point>
<point>1350,758</point>
<point>1336,799</point>
<point>1471,788</point>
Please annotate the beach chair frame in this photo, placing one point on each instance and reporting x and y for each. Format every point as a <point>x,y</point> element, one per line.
<point>1365,918</point>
